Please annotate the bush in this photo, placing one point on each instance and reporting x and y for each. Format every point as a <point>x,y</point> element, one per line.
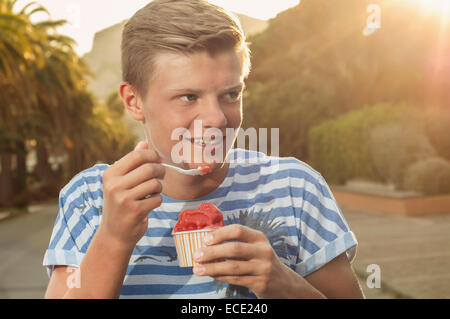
<point>378,143</point>
<point>291,108</point>
<point>339,148</point>
<point>396,146</point>
<point>437,128</point>
<point>430,176</point>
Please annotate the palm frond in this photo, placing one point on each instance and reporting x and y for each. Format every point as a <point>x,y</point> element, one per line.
<point>8,5</point>
<point>263,222</point>
<point>36,10</point>
<point>51,24</point>
<point>24,9</point>
<point>62,39</point>
<point>8,17</point>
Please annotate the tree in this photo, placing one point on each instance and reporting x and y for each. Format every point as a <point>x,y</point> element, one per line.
<point>313,62</point>
<point>16,95</point>
<point>45,99</point>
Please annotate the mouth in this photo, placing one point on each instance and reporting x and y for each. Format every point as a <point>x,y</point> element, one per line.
<point>204,142</point>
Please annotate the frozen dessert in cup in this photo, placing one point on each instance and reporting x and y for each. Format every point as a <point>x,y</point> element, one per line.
<point>191,230</point>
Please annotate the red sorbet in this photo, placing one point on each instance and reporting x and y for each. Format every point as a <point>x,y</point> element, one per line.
<point>205,169</point>
<point>206,216</point>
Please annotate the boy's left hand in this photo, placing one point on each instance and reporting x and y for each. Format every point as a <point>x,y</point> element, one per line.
<point>243,256</point>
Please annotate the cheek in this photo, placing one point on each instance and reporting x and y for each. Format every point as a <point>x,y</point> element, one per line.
<point>164,125</point>
<point>235,117</point>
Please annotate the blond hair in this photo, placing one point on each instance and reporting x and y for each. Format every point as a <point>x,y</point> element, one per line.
<point>181,26</point>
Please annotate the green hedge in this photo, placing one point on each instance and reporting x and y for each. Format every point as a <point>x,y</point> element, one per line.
<point>339,148</point>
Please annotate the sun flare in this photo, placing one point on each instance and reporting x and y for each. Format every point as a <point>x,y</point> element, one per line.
<point>437,6</point>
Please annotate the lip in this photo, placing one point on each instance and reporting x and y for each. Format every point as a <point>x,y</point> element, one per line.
<point>191,140</point>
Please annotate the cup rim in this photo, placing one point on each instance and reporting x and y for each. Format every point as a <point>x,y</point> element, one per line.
<point>203,230</point>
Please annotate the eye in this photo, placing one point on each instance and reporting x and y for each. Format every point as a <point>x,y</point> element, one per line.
<point>233,96</point>
<point>188,97</point>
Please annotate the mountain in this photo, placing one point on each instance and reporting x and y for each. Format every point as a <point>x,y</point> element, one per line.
<point>104,58</point>
<point>318,60</point>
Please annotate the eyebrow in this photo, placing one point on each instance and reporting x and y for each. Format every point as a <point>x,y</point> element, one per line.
<point>240,86</point>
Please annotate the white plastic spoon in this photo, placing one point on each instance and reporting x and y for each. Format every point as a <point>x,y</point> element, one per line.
<point>201,170</point>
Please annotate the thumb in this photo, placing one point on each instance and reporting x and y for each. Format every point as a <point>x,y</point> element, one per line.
<point>141,146</point>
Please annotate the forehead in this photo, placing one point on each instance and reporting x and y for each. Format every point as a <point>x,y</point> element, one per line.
<point>198,70</point>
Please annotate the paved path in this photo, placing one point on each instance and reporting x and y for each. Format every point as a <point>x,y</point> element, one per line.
<point>23,240</point>
<point>413,253</point>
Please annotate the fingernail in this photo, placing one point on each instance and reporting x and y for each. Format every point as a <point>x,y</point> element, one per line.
<point>198,255</point>
<point>208,239</point>
<point>199,269</point>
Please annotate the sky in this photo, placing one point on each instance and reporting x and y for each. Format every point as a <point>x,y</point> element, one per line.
<point>86,17</point>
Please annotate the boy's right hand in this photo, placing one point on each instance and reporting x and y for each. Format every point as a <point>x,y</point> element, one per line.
<point>126,184</point>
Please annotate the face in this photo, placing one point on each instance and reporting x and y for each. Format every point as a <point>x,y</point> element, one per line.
<point>201,96</point>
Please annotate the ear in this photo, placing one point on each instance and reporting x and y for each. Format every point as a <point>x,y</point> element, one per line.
<point>132,101</point>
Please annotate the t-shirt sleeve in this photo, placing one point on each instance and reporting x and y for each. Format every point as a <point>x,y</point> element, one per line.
<point>323,231</point>
<point>74,227</point>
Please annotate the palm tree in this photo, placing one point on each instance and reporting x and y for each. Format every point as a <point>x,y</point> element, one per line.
<point>59,83</point>
<point>39,73</point>
<point>18,51</point>
<point>44,97</point>
<point>15,100</point>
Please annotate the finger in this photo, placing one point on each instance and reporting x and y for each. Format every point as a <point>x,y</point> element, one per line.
<point>135,159</point>
<point>225,268</point>
<point>150,187</point>
<point>145,206</point>
<point>141,146</point>
<point>142,174</point>
<point>235,232</point>
<point>245,281</point>
<point>230,250</point>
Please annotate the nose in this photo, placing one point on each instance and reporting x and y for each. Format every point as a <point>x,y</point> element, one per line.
<point>212,114</point>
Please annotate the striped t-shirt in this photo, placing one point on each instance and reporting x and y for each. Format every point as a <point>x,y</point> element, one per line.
<point>283,197</point>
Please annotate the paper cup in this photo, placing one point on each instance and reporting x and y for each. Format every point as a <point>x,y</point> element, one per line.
<point>187,243</point>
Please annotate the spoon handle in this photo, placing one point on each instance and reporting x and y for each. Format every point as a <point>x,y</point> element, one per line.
<point>195,171</point>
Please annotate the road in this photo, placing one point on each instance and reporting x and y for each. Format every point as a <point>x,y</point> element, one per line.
<point>412,253</point>
<point>23,241</point>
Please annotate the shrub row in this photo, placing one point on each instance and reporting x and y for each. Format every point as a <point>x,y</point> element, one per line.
<point>339,148</point>
<point>391,143</point>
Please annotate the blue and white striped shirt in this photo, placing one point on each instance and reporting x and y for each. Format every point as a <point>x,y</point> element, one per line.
<point>283,197</point>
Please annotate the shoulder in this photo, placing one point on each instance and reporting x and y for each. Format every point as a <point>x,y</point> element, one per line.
<point>88,182</point>
<point>246,161</point>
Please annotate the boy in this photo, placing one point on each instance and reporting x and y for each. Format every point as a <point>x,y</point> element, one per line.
<point>184,63</point>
